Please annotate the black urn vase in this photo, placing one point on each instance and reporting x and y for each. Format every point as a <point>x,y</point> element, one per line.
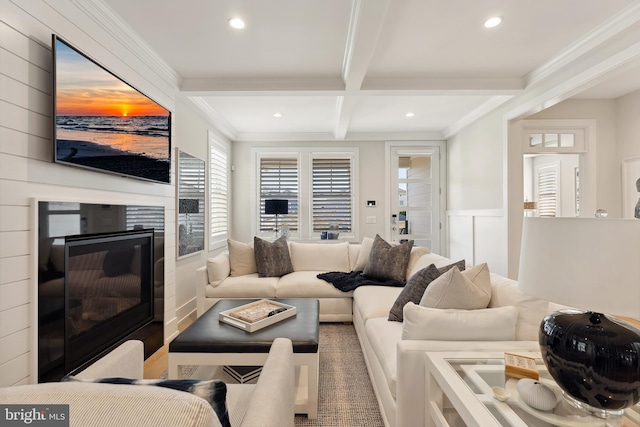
<point>594,358</point>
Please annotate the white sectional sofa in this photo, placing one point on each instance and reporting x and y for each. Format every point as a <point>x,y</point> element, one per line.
<point>215,280</point>
<point>395,362</point>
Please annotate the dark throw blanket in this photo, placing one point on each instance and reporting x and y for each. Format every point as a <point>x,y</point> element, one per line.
<point>349,281</point>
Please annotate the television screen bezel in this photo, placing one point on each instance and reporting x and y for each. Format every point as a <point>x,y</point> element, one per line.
<point>54,38</point>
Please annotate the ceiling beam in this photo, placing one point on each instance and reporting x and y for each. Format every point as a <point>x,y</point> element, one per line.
<point>365,26</point>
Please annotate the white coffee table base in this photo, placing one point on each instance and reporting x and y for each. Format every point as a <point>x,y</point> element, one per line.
<point>307,372</point>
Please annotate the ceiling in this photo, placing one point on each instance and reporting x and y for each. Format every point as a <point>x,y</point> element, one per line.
<point>353,69</point>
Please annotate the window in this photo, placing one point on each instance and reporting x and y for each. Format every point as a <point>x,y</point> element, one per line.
<point>319,184</point>
<point>279,180</point>
<point>218,195</point>
<point>332,201</point>
<point>547,191</point>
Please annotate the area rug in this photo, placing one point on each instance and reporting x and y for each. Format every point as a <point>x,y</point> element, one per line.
<point>345,397</point>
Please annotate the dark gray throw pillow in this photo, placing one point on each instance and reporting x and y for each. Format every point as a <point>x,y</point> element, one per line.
<point>272,259</point>
<point>213,391</point>
<point>415,287</point>
<point>388,262</point>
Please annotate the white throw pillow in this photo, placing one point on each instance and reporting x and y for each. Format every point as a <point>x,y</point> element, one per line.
<point>487,324</point>
<point>242,258</point>
<point>363,255</point>
<point>320,256</point>
<point>467,290</point>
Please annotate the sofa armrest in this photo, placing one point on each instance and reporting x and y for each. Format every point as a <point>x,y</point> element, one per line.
<point>274,395</point>
<point>126,361</point>
<point>410,385</point>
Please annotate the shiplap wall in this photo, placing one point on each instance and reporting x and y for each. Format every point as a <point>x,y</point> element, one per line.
<point>26,170</point>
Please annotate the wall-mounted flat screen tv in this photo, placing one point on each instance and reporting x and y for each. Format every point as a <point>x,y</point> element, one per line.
<point>103,123</point>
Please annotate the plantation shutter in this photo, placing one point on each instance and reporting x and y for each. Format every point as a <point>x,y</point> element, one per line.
<point>279,180</point>
<point>547,192</point>
<point>332,198</point>
<point>218,195</point>
<point>145,217</point>
<point>192,186</point>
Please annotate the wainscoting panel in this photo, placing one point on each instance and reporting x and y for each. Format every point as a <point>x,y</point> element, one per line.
<point>479,236</point>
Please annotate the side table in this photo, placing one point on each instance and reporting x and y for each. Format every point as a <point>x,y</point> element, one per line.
<point>458,386</point>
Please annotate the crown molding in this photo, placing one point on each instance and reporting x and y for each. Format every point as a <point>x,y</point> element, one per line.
<point>589,43</point>
<point>110,22</point>
<point>329,137</point>
<point>219,122</point>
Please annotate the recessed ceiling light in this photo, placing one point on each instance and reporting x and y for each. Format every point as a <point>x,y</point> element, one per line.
<point>493,22</point>
<point>277,115</point>
<point>236,23</point>
<point>409,114</point>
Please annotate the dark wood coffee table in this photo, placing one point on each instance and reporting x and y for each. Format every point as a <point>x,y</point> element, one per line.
<point>207,341</point>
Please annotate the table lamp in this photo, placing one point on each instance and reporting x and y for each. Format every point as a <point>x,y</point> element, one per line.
<point>593,265</point>
<point>276,207</point>
<point>188,206</point>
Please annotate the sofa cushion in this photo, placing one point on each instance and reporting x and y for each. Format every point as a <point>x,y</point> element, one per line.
<point>374,301</point>
<point>272,259</point>
<point>218,269</point>
<point>488,324</point>
<point>416,285</point>
<point>388,262</point>
<point>363,254</point>
<point>242,258</point>
<point>417,252</point>
<point>426,260</point>
<point>384,337</point>
<point>305,284</point>
<point>249,286</point>
<point>531,310</point>
<point>320,256</point>
<point>467,290</point>
<point>213,391</point>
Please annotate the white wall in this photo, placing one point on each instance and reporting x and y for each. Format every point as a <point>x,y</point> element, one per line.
<point>26,170</point>
<point>192,132</point>
<point>476,216</point>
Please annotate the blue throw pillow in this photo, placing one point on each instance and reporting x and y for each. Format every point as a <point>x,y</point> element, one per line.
<point>213,391</point>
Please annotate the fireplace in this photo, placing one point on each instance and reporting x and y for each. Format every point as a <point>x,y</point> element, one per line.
<point>97,289</point>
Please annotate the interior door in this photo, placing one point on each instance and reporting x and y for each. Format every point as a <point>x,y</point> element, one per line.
<point>415,201</point>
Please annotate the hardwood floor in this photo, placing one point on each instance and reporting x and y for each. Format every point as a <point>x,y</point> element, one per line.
<point>157,363</point>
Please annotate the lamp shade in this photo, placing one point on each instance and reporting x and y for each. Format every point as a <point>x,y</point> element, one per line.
<point>592,265</point>
<point>187,206</point>
<point>276,206</point>
<point>587,263</point>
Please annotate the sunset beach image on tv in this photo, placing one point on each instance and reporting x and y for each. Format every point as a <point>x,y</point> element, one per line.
<point>103,123</point>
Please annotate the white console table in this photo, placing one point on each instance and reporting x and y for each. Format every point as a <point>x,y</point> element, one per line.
<point>459,393</point>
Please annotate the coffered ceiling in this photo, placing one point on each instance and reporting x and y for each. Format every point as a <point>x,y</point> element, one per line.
<point>350,69</point>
